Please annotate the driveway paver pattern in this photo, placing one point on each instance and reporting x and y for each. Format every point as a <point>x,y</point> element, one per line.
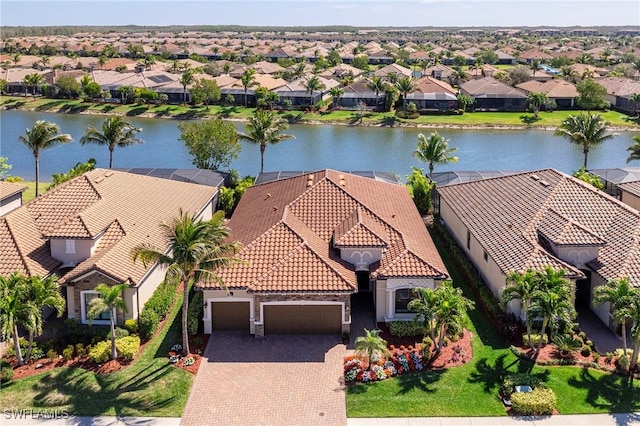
<point>275,380</point>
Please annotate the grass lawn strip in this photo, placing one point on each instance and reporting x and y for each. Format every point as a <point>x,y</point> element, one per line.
<point>148,387</point>
<point>472,389</point>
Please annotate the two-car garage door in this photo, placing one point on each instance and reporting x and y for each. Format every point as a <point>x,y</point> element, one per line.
<point>302,319</point>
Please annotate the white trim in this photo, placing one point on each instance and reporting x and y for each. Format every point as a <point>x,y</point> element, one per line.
<point>83,314</point>
<point>304,303</point>
<point>91,272</point>
<point>208,307</point>
<point>396,285</point>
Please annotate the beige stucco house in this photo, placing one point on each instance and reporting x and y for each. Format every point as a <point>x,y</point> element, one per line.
<point>544,218</point>
<point>10,196</point>
<point>84,230</point>
<point>313,240</point>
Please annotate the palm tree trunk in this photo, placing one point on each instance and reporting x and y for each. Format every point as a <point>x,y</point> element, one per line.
<point>28,354</point>
<point>245,97</point>
<point>114,353</point>
<point>111,157</point>
<point>624,338</point>
<point>526,310</point>
<point>430,169</point>
<point>36,155</point>
<point>634,356</point>
<point>185,309</point>
<point>16,344</point>
<point>542,330</point>
<point>262,149</point>
<point>586,153</point>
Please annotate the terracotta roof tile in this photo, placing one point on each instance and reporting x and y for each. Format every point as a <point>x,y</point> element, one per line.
<point>8,189</point>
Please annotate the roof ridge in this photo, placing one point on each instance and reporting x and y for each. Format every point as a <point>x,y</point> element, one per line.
<point>571,222</point>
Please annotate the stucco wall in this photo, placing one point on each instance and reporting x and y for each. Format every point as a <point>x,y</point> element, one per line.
<point>630,199</point>
<point>10,203</point>
<point>386,296</point>
<point>145,290</point>
<point>361,257</point>
<point>84,249</point>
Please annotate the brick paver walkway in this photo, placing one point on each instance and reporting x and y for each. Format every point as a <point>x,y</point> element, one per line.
<point>276,380</point>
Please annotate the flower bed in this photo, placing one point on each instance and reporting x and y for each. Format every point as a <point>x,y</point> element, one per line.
<point>406,359</point>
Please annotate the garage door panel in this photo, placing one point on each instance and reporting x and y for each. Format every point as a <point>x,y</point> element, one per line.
<point>230,316</point>
<point>303,319</point>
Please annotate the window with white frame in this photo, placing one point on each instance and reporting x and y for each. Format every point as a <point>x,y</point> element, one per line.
<point>403,297</point>
<point>70,246</point>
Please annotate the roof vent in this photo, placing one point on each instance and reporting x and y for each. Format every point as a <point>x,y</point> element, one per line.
<point>108,174</point>
<point>267,196</point>
<point>342,181</point>
<point>310,180</point>
<point>544,183</point>
<point>275,208</point>
<point>100,179</point>
<point>535,177</point>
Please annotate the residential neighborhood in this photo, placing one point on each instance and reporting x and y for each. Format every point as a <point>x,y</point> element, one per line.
<point>222,294</point>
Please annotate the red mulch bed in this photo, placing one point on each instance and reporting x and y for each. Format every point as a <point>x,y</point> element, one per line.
<point>197,344</point>
<point>42,365</point>
<point>549,352</point>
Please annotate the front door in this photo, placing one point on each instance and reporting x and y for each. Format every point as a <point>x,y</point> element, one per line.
<point>583,290</point>
<point>364,283</point>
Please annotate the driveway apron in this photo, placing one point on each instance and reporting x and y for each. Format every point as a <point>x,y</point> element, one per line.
<point>275,380</point>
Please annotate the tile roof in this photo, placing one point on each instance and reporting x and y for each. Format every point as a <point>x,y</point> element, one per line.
<point>9,189</point>
<point>631,187</point>
<point>508,215</point>
<point>290,229</point>
<point>120,210</point>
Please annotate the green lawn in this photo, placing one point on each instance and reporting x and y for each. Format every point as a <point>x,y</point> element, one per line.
<point>30,193</point>
<point>479,119</point>
<point>149,387</point>
<point>472,389</point>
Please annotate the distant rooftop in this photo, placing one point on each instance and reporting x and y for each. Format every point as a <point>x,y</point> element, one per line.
<point>274,176</point>
<point>618,175</point>
<point>199,176</point>
<point>449,178</point>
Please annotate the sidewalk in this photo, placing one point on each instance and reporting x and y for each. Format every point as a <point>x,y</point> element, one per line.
<point>559,420</point>
<point>31,418</point>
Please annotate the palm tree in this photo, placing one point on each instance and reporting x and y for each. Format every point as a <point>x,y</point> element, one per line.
<point>568,73</point>
<point>248,79</point>
<point>336,92</point>
<point>618,294</point>
<point>186,79</point>
<point>635,150</point>
<point>377,84</point>
<point>14,310</point>
<point>196,249</point>
<point>536,101</point>
<point>585,130</point>
<point>370,345</point>
<point>110,298</point>
<point>265,128</point>
<point>312,85</point>
<point>520,287</point>
<point>459,75</point>
<point>535,66</point>
<point>32,80</point>
<point>434,150</point>
<point>116,132</point>
<point>635,98</point>
<point>42,292</point>
<point>43,135</point>
<point>405,86</point>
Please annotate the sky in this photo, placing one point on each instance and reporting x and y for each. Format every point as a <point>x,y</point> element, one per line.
<point>460,13</point>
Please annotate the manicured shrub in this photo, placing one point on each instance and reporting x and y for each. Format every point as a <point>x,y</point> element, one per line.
<point>119,332</point>
<point>100,352</point>
<point>585,351</point>
<point>406,328</point>
<point>52,354</point>
<point>566,344</point>
<point>595,356</point>
<point>131,326</point>
<point>535,338</point>
<point>80,350</point>
<point>540,401</point>
<point>194,315</point>
<point>519,379</point>
<point>127,347</point>
<point>148,323</point>
<point>67,353</point>
<point>6,373</point>
<point>36,353</point>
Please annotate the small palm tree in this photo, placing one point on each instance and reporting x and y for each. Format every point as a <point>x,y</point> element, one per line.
<point>14,310</point>
<point>313,85</point>
<point>116,132</point>
<point>186,79</point>
<point>248,79</point>
<point>535,66</point>
<point>618,293</point>
<point>635,98</point>
<point>110,299</point>
<point>378,85</point>
<point>336,93</point>
<point>43,293</point>
<point>536,101</point>
<point>585,130</point>
<point>371,345</point>
<point>405,86</point>
<point>434,150</point>
<point>265,128</point>
<point>32,80</point>
<point>520,287</point>
<point>43,135</point>
<point>634,149</point>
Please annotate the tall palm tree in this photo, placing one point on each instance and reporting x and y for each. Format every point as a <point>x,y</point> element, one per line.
<point>43,293</point>
<point>14,310</point>
<point>116,132</point>
<point>336,93</point>
<point>405,86</point>
<point>618,294</point>
<point>196,249</point>
<point>635,150</point>
<point>370,345</point>
<point>186,79</point>
<point>585,130</point>
<point>434,150</point>
<point>32,80</point>
<point>265,128</point>
<point>313,85</point>
<point>521,287</point>
<point>43,135</point>
<point>248,79</point>
<point>535,66</point>
<point>110,298</point>
<point>377,84</point>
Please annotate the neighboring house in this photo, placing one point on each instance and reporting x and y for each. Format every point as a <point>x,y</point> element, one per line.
<point>433,94</point>
<point>505,58</point>
<point>493,95</point>
<point>310,242</point>
<point>359,92</point>
<point>297,92</point>
<point>544,218</point>
<point>630,193</point>
<point>534,54</point>
<point>10,196</point>
<point>562,92</point>
<point>439,72</point>
<point>84,231</point>
<point>611,178</point>
<point>341,71</point>
<point>619,91</point>
<point>396,69</point>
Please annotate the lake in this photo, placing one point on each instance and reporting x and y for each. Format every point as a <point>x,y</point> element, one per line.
<point>315,147</point>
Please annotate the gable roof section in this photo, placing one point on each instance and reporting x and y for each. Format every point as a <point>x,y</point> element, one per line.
<point>9,189</point>
<point>507,214</point>
<point>489,87</point>
<point>288,228</point>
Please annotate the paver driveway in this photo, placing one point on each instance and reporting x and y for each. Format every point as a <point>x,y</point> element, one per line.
<point>276,380</point>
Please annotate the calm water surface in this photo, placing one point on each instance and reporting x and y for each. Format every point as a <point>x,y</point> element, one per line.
<point>315,147</point>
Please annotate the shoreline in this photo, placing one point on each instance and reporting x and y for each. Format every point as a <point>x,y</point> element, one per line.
<point>398,124</point>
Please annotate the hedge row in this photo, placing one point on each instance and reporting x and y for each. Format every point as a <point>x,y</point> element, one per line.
<point>539,402</point>
<point>156,309</point>
<point>406,328</point>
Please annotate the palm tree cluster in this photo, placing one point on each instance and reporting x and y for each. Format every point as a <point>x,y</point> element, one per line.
<point>441,311</point>
<point>546,296</point>
<point>22,300</point>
